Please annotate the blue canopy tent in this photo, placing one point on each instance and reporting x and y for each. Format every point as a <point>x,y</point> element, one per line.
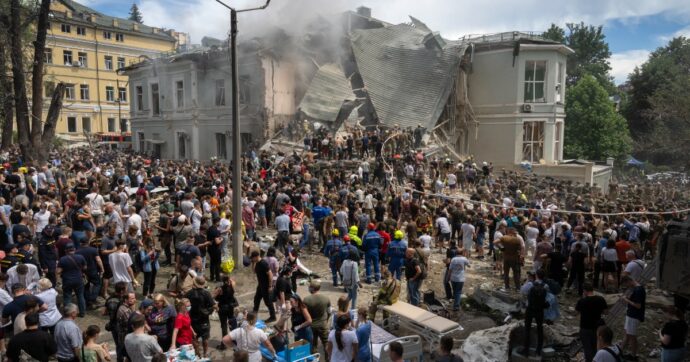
<point>634,162</point>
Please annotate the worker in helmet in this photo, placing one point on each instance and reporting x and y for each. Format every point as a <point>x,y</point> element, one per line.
<point>349,248</point>
<point>332,252</point>
<point>371,245</point>
<point>353,236</point>
<point>396,254</point>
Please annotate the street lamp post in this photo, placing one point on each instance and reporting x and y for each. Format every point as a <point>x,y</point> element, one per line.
<point>236,144</point>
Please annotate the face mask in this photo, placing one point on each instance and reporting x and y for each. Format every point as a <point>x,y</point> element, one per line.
<point>189,307</point>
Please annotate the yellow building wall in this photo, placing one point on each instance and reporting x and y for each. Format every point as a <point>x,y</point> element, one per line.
<point>97,109</point>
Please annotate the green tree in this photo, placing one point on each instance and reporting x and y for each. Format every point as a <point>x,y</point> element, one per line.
<point>658,110</point>
<point>593,128</point>
<point>554,33</point>
<point>592,52</point>
<point>135,14</point>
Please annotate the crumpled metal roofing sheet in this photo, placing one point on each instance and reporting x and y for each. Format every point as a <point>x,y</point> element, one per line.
<point>408,83</point>
<point>326,93</point>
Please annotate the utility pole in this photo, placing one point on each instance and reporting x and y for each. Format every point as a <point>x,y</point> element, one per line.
<point>236,143</point>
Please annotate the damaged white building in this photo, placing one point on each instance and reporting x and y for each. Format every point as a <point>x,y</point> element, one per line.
<point>497,98</point>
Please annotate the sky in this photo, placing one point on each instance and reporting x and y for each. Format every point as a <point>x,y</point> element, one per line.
<point>633,28</point>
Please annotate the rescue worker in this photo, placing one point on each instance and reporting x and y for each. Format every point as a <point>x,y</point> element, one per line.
<point>396,254</point>
<point>348,248</point>
<point>356,240</point>
<point>332,252</point>
<point>371,245</point>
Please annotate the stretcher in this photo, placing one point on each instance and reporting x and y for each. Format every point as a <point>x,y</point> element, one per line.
<point>427,325</point>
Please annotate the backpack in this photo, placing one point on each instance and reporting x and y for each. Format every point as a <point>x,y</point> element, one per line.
<point>111,307</point>
<point>615,355</point>
<point>536,298</point>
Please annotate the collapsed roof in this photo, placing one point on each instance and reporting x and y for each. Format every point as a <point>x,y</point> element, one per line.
<point>327,92</point>
<point>408,72</point>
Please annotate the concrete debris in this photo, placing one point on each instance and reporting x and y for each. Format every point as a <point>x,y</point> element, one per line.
<point>496,300</point>
<point>494,344</point>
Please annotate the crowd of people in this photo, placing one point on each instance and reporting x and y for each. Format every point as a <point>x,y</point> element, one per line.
<point>91,229</point>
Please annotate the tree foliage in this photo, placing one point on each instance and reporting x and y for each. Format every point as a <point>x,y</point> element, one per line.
<point>593,128</point>
<point>554,33</point>
<point>658,108</point>
<point>591,52</point>
<point>135,14</point>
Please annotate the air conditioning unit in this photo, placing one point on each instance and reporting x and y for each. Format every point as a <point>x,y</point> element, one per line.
<point>527,108</point>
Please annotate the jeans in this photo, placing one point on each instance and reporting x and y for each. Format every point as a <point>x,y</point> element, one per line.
<point>352,295</point>
<point>369,259</point>
<point>78,236</point>
<point>334,272</point>
<point>76,288</point>
<point>588,337</point>
<point>396,269</point>
<point>304,334</point>
<point>538,316</point>
<point>457,293</point>
<point>149,282</point>
<point>93,288</point>
<point>413,291</point>
<point>577,275</point>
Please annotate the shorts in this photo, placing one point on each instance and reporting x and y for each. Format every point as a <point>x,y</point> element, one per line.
<point>203,330</point>
<point>467,244</point>
<point>631,325</point>
<point>444,237</point>
<point>107,271</point>
<point>609,267</point>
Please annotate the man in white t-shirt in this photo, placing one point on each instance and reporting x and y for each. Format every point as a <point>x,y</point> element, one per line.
<point>121,266</point>
<point>442,230</point>
<point>97,204</point>
<point>248,338</point>
<point>456,274</point>
<point>634,267</point>
<point>608,352</point>
<point>41,218</point>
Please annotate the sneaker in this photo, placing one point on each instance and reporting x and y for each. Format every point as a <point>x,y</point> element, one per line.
<point>270,320</point>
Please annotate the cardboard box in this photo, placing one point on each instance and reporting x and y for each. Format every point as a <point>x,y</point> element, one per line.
<point>298,350</point>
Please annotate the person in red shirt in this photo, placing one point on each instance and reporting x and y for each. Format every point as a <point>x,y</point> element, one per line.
<point>183,333</point>
<point>381,229</point>
<point>622,246</point>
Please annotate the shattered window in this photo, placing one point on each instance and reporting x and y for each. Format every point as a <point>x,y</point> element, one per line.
<point>535,81</point>
<point>533,141</point>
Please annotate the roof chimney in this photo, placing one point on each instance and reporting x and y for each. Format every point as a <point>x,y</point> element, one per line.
<point>364,11</point>
<point>92,18</point>
<point>135,26</point>
<point>68,14</point>
<point>115,22</point>
<point>155,30</point>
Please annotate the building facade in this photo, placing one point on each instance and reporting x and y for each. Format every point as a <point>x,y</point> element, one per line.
<point>84,50</point>
<point>181,105</point>
<point>518,102</point>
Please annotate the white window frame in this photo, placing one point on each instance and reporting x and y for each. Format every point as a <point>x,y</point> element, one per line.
<point>76,128</point>
<point>108,62</point>
<point>179,100</point>
<point>158,100</point>
<point>530,137</point>
<point>48,56</point>
<point>122,94</point>
<point>65,54</point>
<point>66,28</point>
<point>559,90</point>
<point>109,93</point>
<point>534,83</point>
<point>114,128</point>
<point>107,35</point>
<point>84,121</point>
<point>119,37</point>
<point>84,92</point>
<point>220,92</point>
<point>83,59</point>
<point>139,94</point>
<point>120,62</point>
<point>81,30</point>
<point>221,146</point>
<point>69,92</point>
